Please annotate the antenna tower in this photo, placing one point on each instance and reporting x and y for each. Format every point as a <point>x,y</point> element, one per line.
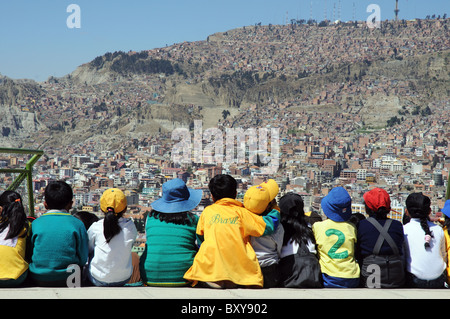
<point>339,11</point>
<point>396,10</point>
<point>354,12</point>
<point>334,11</point>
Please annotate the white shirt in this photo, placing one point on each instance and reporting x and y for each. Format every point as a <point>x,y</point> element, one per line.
<point>291,248</point>
<point>426,264</point>
<point>111,262</point>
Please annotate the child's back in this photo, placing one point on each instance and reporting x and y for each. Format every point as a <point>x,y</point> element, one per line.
<point>58,239</point>
<point>170,231</point>
<point>14,230</point>
<point>226,253</point>
<point>260,200</point>
<point>110,242</point>
<point>336,238</point>
<point>424,263</point>
<point>335,244</point>
<point>425,248</point>
<point>112,260</point>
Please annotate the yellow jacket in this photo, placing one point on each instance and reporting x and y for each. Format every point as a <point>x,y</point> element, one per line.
<point>226,252</point>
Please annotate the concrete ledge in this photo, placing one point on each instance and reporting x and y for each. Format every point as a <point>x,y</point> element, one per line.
<point>188,293</point>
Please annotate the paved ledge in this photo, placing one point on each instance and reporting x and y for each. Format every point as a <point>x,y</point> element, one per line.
<point>188,293</point>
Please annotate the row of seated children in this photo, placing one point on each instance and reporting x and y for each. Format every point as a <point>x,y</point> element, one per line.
<point>412,254</point>
<point>45,251</point>
<point>256,243</point>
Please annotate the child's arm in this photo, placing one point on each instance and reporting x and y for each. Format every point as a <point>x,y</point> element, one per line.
<point>83,246</point>
<point>199,240</point>
<point>272,219</point>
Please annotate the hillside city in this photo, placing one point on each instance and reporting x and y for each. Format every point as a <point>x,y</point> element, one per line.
<point>324,139</point>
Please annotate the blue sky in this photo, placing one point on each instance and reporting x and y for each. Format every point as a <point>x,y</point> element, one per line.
<point>36,43</point>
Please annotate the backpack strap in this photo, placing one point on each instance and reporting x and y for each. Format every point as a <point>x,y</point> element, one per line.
<point>384,235</point>
<point>303,249</point>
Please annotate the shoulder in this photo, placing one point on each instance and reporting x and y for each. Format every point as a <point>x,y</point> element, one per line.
<point>397,225</point>
<point>436,228</point>
<point>126,221</point>
<point>96,227</point>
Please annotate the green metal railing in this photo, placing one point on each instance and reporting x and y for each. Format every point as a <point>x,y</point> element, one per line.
<point>447,194</point>
<point>24,173</point>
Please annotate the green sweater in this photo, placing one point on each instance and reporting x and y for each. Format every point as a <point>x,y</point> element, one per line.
<point>169,252</point>
<point>58,240</point>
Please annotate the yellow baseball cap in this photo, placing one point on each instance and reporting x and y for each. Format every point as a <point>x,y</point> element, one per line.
<point>256,199</point>
<point>272,188</point>
<point>113,198</point>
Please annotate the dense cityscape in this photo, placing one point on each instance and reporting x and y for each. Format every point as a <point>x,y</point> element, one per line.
<point>328,136</point>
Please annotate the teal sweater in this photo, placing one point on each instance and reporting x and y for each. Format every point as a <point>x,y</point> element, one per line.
<point>169,252</point>
<point>58,240</point>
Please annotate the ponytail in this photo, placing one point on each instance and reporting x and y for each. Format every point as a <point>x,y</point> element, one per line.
<point>111,224</point>
<point>426,229</point>
<point>12,215</point>
<point>419,206</point>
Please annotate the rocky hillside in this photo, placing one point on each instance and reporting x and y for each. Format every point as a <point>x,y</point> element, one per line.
<point>377,74</point>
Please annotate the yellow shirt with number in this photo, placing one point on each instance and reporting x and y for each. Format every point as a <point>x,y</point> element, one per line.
<point>336,247</point>
<point>226,252</point>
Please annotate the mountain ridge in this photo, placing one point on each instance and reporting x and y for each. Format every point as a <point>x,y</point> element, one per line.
<point>152,92</point>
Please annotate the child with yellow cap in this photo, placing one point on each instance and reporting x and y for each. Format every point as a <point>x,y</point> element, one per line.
<point>110,241</point>
<point>226,258</point>
<point>260,200</point>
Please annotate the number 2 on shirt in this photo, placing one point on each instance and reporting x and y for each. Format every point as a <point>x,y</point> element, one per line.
<point>341,239</point>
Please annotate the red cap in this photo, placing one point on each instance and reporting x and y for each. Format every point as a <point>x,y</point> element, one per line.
<point>377,198</point>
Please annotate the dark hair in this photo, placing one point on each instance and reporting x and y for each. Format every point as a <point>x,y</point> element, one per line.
<point>222,186</point>
<point>86,217</point>
<point>355,218</point>
<point>184,218</point>
<point>111,225</point>
<point>13,215</point>
<point>381,213</point>
<point>418,206</point>
<point>58,195</point>
<point>294,220</point>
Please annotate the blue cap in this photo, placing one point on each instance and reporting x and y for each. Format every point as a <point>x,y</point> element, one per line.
<point>337,205</point>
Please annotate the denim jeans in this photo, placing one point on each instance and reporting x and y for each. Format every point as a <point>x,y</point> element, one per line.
<point>414,282</point>
<point>99,283</point>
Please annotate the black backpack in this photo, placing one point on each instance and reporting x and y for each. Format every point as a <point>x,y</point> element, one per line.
<point>300,270</point>
<point>392,268</point>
